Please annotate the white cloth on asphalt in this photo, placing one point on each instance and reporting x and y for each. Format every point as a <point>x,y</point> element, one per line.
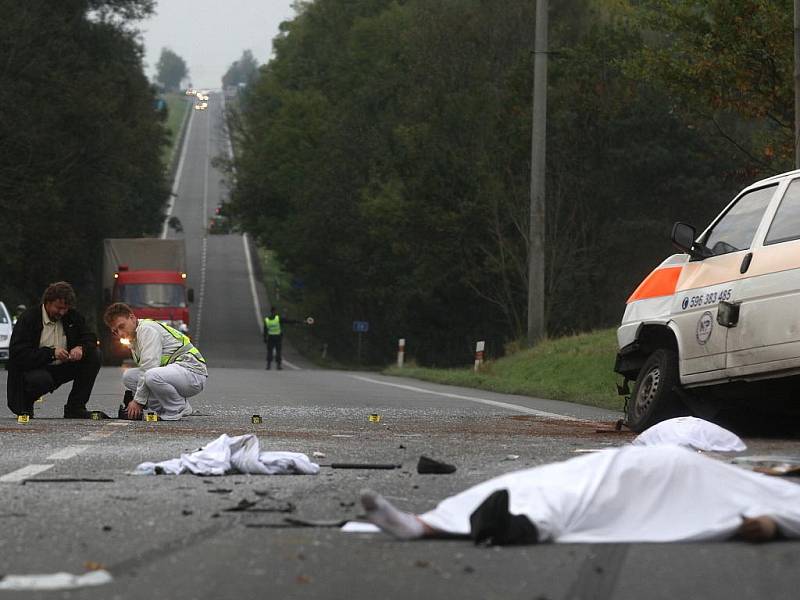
<point>691,432</point>
<point>632,494</point>
<point>229,455</point>
<point>54,581</point>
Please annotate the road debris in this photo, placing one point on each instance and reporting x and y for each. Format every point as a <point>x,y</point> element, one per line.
<point>317,454</point>
<point>512,457</point>
<point>770,464</point>
<point>430,465</point>
<point>364,466</point>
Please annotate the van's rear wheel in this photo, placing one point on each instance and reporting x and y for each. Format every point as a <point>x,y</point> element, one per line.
<point>654,397</point>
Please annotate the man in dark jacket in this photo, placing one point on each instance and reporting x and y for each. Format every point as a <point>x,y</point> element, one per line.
<point>51,345</point>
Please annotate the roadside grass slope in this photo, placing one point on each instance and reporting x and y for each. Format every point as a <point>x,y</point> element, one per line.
<point>177,105</point>
<point>576,368</point>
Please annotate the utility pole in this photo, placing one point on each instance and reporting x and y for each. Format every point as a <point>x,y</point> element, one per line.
<point>797,84</point>
<point>536,299</point>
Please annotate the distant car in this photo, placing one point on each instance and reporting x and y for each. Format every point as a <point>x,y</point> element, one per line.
<point>5,332</point>
<point>219,224</point>
<point>191,92</point>
<point>201,106</point>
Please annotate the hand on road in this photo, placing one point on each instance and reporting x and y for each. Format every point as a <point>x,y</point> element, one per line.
<point>61,354</point>
<point>76,353</point>
<point>134,409</point>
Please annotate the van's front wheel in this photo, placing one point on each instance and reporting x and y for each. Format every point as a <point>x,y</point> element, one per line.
<point>654,398</point>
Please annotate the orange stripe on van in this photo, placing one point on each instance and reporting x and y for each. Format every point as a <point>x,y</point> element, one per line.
<point>661,282</point>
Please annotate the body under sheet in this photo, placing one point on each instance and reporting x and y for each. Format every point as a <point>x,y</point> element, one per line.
<point>632,494</point>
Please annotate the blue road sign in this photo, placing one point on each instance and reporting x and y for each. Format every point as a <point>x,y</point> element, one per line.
<point>361,326</point>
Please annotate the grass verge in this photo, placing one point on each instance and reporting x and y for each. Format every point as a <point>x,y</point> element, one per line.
<point>577,368</point>
<point>177,105</point>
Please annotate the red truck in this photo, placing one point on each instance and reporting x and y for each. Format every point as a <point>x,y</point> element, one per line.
<point>148,274</point>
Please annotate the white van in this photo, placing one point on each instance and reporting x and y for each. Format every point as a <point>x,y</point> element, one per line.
<point>724,313</point>
<point>5,332</point>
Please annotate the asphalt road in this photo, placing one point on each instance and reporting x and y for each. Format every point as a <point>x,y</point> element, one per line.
<point>68,500</point>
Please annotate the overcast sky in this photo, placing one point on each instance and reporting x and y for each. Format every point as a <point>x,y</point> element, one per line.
<point>210,34</point>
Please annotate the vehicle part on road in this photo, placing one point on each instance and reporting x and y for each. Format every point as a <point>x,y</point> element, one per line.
<point>69,480</point>
<point>256,420</point>
<point>654,396</point>
<point>429,465</point>
<point>374,418</point>
<point>691,432</point>
<point>363,466</point>
<point>247,506</point>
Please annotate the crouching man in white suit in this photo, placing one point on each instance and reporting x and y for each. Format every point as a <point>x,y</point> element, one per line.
<point>170,369</point>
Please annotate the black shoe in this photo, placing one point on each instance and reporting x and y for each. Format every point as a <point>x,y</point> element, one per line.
<point>492,524</point>
<point>268,367</point>
<point>82,413</point>
<point>280,368</point>
<point>429,465</point>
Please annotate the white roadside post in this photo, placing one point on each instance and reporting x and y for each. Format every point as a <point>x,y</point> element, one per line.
<point>479,354</point>
<point>401,352</point>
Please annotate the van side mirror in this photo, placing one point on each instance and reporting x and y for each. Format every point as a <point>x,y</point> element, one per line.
<point>683,238</point>
<point>190,295</point>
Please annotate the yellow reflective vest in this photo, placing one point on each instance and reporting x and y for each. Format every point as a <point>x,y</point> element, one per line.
<point>273,325</point>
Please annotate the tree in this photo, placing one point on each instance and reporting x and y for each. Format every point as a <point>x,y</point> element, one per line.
<point>384,155</point>
<point>80,158</point>
<point>171,70</point>
<point>243,71</point>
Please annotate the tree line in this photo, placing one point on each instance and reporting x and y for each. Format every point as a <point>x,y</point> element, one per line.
<point>80,141</point>
<point>384,155</point>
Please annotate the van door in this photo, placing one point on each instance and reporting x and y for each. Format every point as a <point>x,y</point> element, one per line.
<point>767,335</point>
<point>705,283</point>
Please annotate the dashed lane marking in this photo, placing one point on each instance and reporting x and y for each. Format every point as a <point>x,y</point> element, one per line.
<point>23,473</point>
<point>506,405</point>
<point>67,453</point>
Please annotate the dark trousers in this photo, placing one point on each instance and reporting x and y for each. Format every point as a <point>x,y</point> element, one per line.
<point>274,345</point>
<point>82,374</point>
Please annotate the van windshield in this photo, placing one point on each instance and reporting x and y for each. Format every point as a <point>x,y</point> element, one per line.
<point>151,295</point>
<point>737,227</point>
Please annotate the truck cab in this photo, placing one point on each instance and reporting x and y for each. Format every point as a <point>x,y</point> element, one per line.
<point>718,322</point>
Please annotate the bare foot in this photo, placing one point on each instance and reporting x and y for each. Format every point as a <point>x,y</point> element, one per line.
<point>757,529</point>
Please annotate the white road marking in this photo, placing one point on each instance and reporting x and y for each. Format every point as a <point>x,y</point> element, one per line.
<point>23,473</point>
<point>248,260</point>
<point>93,437</point>
<point>177,179</point>
<point>67,453</point>
<point>506,405</point>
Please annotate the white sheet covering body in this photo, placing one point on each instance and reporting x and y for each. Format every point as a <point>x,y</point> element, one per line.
<point>632,494</point>
<point>240,454</point>
<point>692,433</point>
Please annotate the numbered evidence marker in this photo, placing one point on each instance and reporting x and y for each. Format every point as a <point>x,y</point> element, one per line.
<point>23,418</point>
<point>375,418</point>
<point>256,420</point>
<point>151,416</point>
<point>96,415</point>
